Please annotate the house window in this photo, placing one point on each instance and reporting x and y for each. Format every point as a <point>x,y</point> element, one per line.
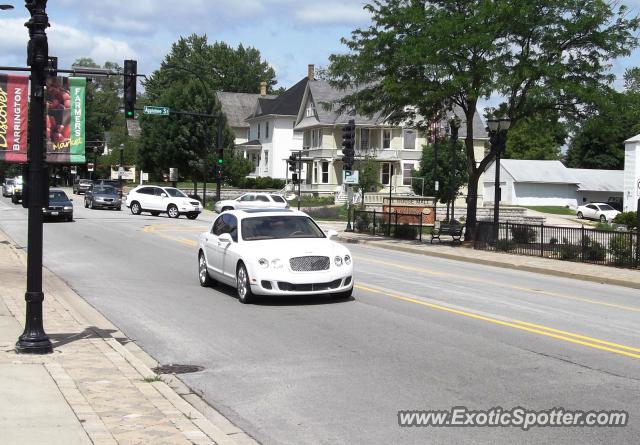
<point>325,172</point>
<point>364,139</point>
<point>385,173</point>
<point>409,139</point>
<point>266,130</point>
<point>386,139</point>
<point>306,139</point>
<point>258,131</point>
<point>316,138</point>
<point>406,173</point>
<point>311,109</point>
<point>266,160</point>
<point>315,172</point>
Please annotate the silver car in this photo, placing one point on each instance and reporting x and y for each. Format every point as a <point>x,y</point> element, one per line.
<point>7,187</point>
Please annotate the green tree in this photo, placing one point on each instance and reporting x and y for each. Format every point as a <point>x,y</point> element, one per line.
<point>368,175</point>
<point>420,57</point>
<point>186,81</point>
<point>451,171</point>
<point>599,141</point>
<point>536,137</point>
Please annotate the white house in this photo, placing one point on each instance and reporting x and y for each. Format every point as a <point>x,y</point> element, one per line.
<point>631,174</point>
<point>550,183</point>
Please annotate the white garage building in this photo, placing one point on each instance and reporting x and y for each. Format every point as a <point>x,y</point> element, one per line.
<point>550,183</point>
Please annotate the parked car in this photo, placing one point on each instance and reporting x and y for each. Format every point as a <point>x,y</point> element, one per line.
<point>102,197</point>
<point>7,187</point>
<point>81,185</point>
<point>60,206</point>
<point>252,201</point>
<point>597,210</point>
<point>273,252</point>
<point>16,196</point>
<point>156,200</point>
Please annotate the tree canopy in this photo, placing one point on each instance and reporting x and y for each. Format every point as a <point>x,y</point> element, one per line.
<point>536,137</point>
<point>187,81</point>
<point>420,57</point>
<point>450,171</point>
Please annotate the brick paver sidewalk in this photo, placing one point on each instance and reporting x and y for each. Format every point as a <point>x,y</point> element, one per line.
<point>115,397</point>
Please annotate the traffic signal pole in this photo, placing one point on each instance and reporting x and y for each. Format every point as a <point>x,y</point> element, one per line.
<point>34,340</point>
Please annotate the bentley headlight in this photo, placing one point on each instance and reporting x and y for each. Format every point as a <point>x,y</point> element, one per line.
<point>68,207</point>
<point>338,261</point>
<point>263,262</point>
<point>347,260</point>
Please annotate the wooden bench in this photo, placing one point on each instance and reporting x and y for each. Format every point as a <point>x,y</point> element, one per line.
<point>453,230</point>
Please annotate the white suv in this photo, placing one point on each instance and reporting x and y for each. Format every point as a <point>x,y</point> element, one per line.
<point>156,200</point>
<point>253,201</point>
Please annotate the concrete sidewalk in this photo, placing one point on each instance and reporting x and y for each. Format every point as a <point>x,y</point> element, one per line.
<point>97,387</point>
<point>548,266</point>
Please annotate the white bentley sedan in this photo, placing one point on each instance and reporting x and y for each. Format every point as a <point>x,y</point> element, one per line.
<point>273,252</point>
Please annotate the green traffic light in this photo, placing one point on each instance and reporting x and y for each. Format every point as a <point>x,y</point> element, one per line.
<point>220,161</point>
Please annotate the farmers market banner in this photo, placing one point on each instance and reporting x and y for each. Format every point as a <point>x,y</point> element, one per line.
<point>65,120</point>
<point>14,92</point>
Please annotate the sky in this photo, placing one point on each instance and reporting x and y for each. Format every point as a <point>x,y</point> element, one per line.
<point>290,34</point>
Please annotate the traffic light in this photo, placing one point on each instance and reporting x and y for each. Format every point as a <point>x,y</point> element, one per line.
<point>130,81</point>
<point>293,159</point>
<point>348,144</point>
<point>52,67</point>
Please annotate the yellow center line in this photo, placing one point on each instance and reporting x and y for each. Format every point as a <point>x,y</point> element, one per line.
<point>506,286</point>
<point>523,326</point>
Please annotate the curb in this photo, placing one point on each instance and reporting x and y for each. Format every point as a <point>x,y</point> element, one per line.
<point>494,263</point>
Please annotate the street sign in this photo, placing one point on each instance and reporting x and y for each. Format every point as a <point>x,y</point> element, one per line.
<point>157,111</point>
<point>90,167</point>
<point>350,177</point>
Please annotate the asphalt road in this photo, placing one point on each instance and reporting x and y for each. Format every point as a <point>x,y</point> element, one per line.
<point>420,333</point>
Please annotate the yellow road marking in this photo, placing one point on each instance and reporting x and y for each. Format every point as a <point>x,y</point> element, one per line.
<point>523,326</point>
<point>506,286</point>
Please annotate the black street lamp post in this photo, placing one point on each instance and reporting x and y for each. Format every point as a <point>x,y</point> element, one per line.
<point>454,123</point>
<point>498,129</point>
<point>34,340</point>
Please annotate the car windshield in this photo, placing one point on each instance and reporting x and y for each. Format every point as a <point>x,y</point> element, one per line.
<point>57,196</point>
<point>279,227</point>
<point>175,193</point>
<point>277,198</point>
<point>605,207</point>
<point>105,190</point>
<point>9,182</point>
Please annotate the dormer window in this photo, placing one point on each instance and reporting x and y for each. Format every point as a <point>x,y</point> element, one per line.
<point>311,109</point>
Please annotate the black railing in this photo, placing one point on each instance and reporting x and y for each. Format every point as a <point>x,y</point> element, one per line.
<point>609,248</point>
<point>398,225</point>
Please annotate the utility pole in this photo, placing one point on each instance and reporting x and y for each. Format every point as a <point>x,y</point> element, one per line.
<point>34,340</point>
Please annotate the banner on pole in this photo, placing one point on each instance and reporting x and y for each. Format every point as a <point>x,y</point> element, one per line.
<point>14,116</point>
<point>66,120</point>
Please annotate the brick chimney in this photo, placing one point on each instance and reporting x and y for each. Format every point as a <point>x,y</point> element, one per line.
<point>263,88</point>
<point>311,72</point>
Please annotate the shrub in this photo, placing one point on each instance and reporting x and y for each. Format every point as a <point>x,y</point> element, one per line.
<point>569,251</point>
<point>323,213</point>
<point>260,183</point>
<point>406,231</point>
<point>629,219</point>
<point>553,241</point>
<point>523,234</point>
<point>505,245</point>
<point>621,248</point>
<point>593,250</point>
<point>362,222</point>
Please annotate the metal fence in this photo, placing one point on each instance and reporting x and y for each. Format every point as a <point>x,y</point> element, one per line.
<point>395,224</point>
<point>609,248</point>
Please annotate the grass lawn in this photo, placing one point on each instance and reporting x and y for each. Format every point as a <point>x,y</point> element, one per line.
<point>553,210</point>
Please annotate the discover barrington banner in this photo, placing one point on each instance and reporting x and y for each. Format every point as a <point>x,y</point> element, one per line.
<point>65,120</point>
<point>14,92</point>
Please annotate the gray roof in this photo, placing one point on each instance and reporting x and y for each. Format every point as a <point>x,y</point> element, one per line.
<point>286,104</point>
<point>599,180</point>
<point>237,106</point>
<point>325,97</point>
<point>550,172</point>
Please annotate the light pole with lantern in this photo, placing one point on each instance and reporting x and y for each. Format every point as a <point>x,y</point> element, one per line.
<point>498,129</point>
<point>454,124</point>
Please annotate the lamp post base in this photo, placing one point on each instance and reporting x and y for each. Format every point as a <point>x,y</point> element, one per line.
<point>27,345</point>
<point>34,340</point>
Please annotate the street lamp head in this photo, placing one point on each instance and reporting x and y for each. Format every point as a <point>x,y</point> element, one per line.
<point>505,123</point>
<point>121,146</point>
<point>493,124</point>
<point>455,121</point>
<point>6,7</point>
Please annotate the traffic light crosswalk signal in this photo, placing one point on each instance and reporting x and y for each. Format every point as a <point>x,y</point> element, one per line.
<point>348,144</point>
